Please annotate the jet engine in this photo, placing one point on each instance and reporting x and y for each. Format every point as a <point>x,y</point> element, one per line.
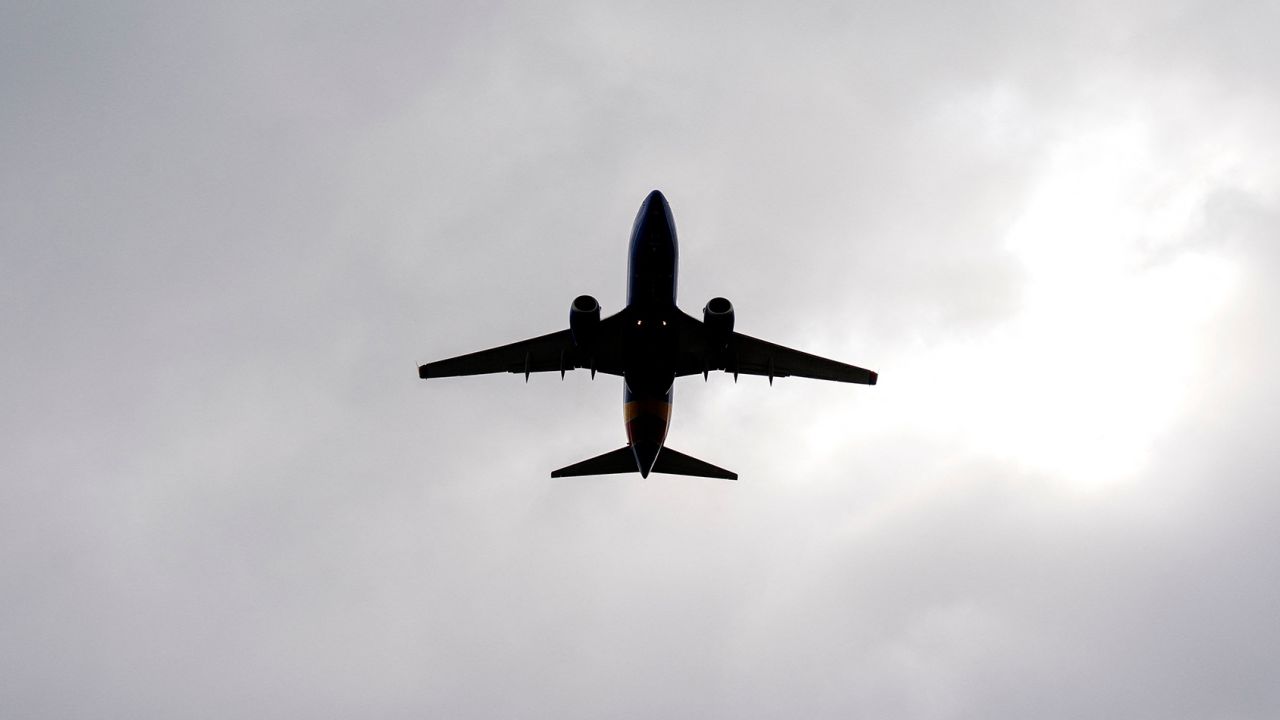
<point>717,317</point>
<point>584,316</point>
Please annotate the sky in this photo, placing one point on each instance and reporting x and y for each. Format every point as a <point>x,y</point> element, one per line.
<point>229,232</point>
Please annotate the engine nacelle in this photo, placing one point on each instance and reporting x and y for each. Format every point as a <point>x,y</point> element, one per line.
<point>584,316</point>
<point>717,317</point>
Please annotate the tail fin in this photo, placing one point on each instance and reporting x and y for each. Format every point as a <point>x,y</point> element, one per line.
<point>675,463</point>
<point>621,460</point>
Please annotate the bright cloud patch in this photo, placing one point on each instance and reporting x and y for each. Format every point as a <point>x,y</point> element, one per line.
<point>1098,361</point>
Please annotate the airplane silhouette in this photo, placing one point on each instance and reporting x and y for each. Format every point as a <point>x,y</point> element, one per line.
<point>649,343</point>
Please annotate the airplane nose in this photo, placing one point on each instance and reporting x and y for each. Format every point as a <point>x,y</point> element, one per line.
<point>655,213</point>
<point>646,454</point>
<point>655,206</point>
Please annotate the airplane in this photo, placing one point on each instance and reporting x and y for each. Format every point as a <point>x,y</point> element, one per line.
<point>649,343</point>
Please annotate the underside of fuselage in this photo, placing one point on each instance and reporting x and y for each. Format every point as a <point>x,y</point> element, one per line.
<point>651,306</point>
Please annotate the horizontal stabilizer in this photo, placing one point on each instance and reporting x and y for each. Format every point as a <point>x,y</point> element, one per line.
<point>622,460</point>
<point>674,463</point>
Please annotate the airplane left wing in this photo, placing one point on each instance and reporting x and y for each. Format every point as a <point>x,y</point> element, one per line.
<point>546,353</point>
<point>751,356</point>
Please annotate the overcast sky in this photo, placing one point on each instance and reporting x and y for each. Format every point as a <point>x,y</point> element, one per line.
<point>229,233</point>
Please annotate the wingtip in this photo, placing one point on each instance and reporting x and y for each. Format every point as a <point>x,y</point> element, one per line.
<point>875,376</point>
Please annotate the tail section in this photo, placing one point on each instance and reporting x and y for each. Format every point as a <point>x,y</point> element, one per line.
<point>623,460</point>
<point>674,463</point>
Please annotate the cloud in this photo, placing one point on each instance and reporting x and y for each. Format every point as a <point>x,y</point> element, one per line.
<point>231,232</point>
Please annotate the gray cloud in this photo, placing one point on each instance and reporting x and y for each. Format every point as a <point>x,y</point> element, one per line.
<point>230,233</point>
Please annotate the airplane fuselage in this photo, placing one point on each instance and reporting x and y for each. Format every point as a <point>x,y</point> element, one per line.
<point>651,307</point>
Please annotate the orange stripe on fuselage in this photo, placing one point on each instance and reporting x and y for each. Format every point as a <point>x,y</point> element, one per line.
<point>635,408</point>
<point>648,418</point>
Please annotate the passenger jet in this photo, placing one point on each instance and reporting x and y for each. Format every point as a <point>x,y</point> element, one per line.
<point>649,343</point>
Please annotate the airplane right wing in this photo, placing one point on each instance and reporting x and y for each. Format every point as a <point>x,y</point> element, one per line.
<point>546,353</point>
<point>554,351</point>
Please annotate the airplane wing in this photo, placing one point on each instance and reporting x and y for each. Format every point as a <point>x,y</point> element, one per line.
<point>547,353</point>
<point>751,356</point>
